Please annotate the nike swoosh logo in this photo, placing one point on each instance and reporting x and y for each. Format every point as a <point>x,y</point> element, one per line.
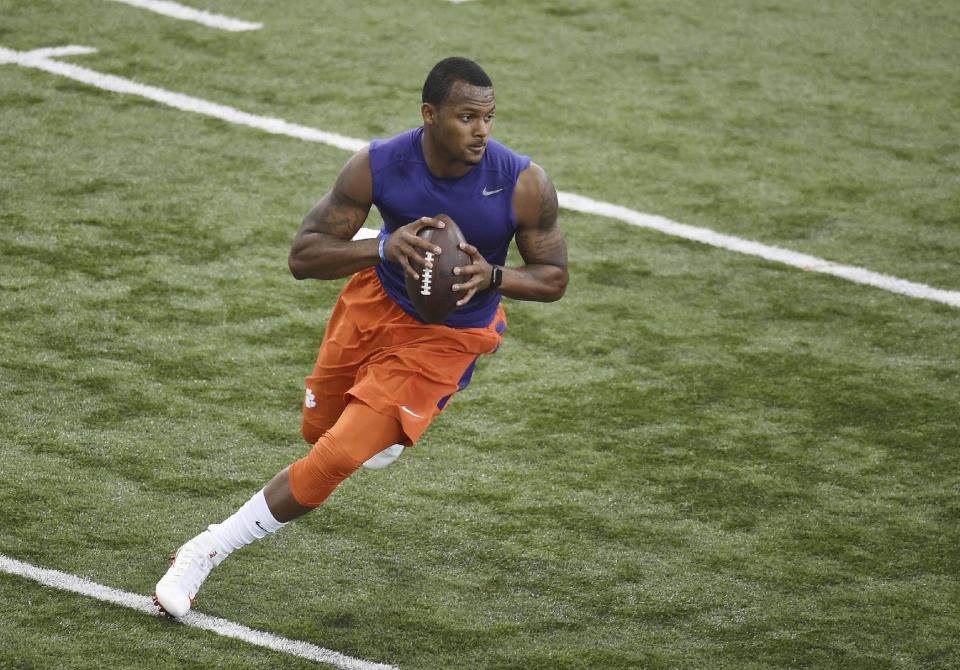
<point>260,527</point>
<point>486,192</point>
<point>410,411</point>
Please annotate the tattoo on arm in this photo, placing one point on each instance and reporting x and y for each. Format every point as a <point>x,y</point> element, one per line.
<point>339,212</point>
<point>548,205</point>
<point>343,216</point>
<point>543,241</point>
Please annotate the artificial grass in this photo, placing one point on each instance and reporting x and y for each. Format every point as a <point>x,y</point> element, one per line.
<point>696,459</point>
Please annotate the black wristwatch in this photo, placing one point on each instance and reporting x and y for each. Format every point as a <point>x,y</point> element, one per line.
<point>496,277</point>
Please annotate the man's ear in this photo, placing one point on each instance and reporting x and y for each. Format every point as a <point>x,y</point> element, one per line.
<point>429,114</point>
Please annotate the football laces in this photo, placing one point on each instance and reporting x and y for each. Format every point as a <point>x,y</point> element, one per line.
<point>426,277</point>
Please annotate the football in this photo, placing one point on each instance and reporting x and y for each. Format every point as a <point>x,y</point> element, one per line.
<point>432,294</point>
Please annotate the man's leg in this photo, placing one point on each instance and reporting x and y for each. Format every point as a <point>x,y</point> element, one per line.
<point>322,405</point>
<point>358,434</point>
<point>386,457</point>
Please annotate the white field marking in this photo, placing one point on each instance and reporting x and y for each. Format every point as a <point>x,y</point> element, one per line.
<point>366,234</point>
<point>67,582</point>
<point>579,203</point>
<point>54,52</point>
<point>186,103</point>
<point>178,11</point>
<point>571,201</point>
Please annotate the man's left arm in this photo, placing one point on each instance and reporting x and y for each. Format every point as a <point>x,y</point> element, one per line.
<point>543,276</point>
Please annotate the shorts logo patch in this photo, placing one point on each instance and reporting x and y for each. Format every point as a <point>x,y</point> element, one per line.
<point>310,401</point>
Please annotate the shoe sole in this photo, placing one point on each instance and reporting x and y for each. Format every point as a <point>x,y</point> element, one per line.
<point>164,612</point>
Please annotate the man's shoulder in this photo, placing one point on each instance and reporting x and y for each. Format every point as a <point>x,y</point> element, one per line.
<point>502,158</point>
<point>500,150</point>
<point>401,147</point>
<point>534,195</point>
<point>400,142</point>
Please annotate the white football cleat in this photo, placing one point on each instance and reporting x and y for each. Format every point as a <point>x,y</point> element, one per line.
<point>188,568</point>
<point>384,458</point>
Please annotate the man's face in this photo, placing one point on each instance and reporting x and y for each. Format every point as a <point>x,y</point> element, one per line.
<point>462,123</point>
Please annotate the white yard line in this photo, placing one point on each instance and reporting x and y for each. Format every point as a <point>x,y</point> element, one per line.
<point>37,60</point>
<point>40,60</point>
<point>74,584</point>
<point>177,11</point>
<point>60,52</point>
<point>858,275</point>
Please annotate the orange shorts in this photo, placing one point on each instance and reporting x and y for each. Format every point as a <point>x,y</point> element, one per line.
<point>377,353</point>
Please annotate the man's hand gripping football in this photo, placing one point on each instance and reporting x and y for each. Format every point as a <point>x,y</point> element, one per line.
<point>404,247</point>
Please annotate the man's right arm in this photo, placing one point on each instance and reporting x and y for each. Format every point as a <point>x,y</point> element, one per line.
<point>323,247</point>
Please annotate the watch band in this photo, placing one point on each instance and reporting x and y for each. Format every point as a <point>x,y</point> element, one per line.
<point>496,277</point>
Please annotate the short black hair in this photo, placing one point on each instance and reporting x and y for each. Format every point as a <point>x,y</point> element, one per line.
<point>437,87</point>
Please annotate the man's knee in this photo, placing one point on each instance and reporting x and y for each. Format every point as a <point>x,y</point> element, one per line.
<point>315,476</point>
<point>331,461</point>
<point>358,434</point>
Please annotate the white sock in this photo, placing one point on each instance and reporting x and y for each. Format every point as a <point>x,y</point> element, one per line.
<point>249,523</point>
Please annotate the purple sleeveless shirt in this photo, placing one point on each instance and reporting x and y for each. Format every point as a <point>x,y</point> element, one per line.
<point>481,202</point>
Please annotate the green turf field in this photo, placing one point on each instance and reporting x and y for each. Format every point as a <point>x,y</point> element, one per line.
<point>697,459</point>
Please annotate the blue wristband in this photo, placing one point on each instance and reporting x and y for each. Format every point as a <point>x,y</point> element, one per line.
<point>380,248</point>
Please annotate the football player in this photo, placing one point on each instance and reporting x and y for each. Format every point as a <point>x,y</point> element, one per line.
<point>382,374</point>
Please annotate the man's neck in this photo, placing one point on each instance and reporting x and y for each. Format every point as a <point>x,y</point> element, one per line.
<point>439,164</point>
